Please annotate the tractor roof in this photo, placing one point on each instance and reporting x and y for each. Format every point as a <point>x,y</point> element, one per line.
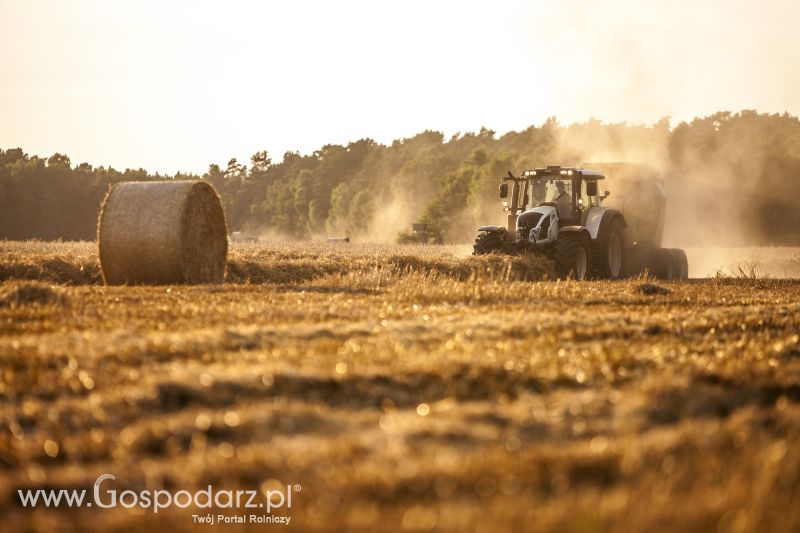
<point>555,171</point>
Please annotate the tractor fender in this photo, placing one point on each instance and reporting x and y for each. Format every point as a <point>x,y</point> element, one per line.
<point>574,229</point>
<point>493,229</point>
<point>598,219</point>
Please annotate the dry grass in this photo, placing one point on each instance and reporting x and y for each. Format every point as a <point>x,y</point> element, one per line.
<point>22,294</point>
<point>75,263</point>
<point>589,406</point>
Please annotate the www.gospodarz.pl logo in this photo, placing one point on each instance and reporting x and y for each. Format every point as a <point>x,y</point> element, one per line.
<point>276,497</point>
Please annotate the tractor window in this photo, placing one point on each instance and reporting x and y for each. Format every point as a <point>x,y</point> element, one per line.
<point>557,190</point>
<point>538,193</point>
<point>549,190</point>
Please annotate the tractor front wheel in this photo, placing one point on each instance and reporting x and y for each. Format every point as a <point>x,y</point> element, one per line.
<point>488,242</point>
<point>572,255</point>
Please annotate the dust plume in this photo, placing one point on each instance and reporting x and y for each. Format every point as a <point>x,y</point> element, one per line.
<point>732,181</point>
<point>397,212</point>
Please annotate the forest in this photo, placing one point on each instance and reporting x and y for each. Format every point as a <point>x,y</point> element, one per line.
<point>731,173</point>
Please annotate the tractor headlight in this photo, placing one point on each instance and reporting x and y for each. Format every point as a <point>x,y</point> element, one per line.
<point>533,234</point>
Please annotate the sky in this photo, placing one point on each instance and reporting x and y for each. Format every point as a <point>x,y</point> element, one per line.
<point>174,85</point>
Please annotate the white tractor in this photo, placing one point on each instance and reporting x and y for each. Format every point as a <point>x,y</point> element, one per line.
<point>557,211</point>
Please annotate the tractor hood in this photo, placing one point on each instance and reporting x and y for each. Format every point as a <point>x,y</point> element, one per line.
<point>531,217</point>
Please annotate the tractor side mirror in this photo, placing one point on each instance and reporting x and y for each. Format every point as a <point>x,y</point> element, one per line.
<point>606,194</point>
<point>591,188</point>
<point>504,190</point>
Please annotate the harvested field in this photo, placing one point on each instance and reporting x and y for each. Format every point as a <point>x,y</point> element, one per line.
<point>403,388</point>
<point>75,263</point>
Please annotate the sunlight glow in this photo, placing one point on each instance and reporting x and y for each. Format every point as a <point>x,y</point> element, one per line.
<point>176,85</point>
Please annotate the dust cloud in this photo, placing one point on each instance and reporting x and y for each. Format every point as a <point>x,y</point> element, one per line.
<point>729,181</point>
<point>391,216</point>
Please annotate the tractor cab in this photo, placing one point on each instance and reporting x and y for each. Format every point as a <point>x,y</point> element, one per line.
<point>571,191</point>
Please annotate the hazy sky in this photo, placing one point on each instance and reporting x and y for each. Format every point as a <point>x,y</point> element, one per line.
<point>176,85</point>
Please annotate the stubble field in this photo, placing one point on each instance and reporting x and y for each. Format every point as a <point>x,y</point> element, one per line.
<point>404,388</point>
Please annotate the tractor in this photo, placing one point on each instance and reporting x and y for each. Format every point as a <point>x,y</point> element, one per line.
<point>559,212</point>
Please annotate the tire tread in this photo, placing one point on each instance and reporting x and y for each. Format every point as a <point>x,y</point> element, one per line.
<point>565,254</point>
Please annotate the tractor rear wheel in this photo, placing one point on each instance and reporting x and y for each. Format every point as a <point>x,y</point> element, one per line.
<point>607,251</point>
<point>488,242</point>
<point>572,254</point>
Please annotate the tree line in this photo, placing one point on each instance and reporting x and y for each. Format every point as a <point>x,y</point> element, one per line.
<point>373,191</point>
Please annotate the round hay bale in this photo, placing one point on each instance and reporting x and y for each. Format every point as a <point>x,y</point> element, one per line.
<point>162,232</point>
